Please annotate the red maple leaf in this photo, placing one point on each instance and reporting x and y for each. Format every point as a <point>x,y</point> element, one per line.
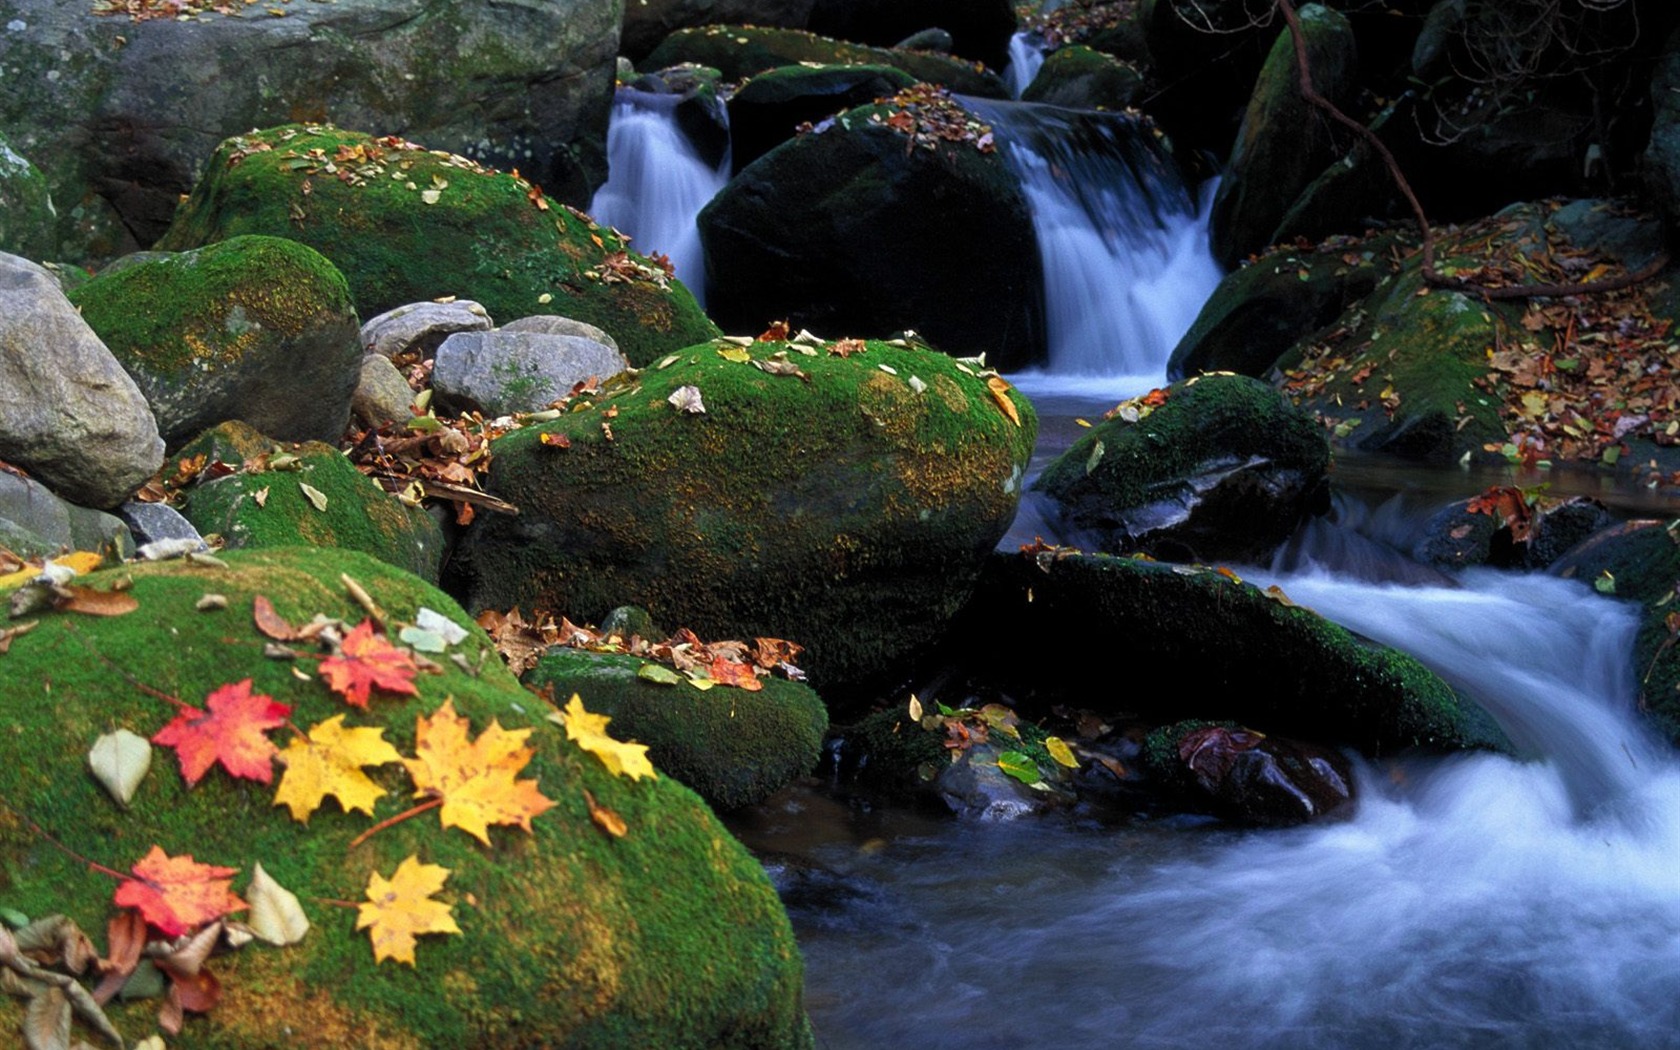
<point>231,733</point>
<point>176,894</point>
<point>367,660</point>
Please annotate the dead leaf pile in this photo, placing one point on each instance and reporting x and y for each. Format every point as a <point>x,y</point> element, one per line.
<point>1072,23</point>
<point>928,116</point>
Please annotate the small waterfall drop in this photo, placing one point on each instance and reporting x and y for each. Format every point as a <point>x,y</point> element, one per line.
<point>657,182</point>
<point>1122,240</point>
<point>1026,58</point>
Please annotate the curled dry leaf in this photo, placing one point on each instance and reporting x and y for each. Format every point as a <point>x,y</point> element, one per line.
<point>1000,393</point>
<point>604,818</point>
<point>120,760</point>
<point>275,916</point>
<point>687,399</point>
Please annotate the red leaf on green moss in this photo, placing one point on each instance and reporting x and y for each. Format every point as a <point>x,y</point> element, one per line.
<point>177,894</point>
<point>366,661</point>
<point>229,732</point>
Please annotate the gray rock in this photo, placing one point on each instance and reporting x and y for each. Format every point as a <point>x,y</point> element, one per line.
<point>121,125</point>
<point>69,414</point>
<point>503,372</point>
<point>382,394</point>
<point>154,522</point>
<point>35,523</point>
<point>422,327</point>
<point>553,324</point>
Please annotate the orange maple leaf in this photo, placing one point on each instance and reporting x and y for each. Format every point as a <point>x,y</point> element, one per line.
<point>176,894</point>
<point>474,779</point>
<point>367,660</point>
<point>728,672</point>
<point>397,909</point>
<point>230,732</point>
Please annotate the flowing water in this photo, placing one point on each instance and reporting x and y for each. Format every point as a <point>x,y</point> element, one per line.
<point>1026,58</point>
<point>657,182</point>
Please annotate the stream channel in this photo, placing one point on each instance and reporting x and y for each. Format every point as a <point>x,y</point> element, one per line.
<point>1469,901</point>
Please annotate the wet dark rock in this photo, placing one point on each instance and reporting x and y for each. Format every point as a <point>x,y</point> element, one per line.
<point>1454,538</point>
<point>738,52</point>
<point>648,22</point>
<point>1247,776</point>
<point>979,30</point>
<point>767,109</point>
<point>1224,468</point>
<point>699,109</point>
<point>1661,163</point>
<point>1558,530</point>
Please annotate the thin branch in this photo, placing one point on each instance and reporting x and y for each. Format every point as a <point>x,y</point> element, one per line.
<point>1430,274</point>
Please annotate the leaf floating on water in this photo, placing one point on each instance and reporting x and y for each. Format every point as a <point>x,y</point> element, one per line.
<point>1000,393</point>
<point>687,399</point>
<point>120,760</point>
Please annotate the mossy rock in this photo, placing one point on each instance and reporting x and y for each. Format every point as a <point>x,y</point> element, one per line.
<point>254,328</point>
<point>486,236</point>
<point>670,936</point>
<point>270,508</point>
<point>1260,310</point>
<point>1078,77</point>
<point>739,52</point>
<point>28,223</point>
<point>979,29</point>
<point>1194,642</point>
<point>733,747</point>
<point>768,109</point>
<point>1224,468</point>
<point>860,231</point>
<point>848,511</point>
<point>1639,561</point>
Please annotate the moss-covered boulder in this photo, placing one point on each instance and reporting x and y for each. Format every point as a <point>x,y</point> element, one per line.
<point>28,222</point>
<point>259,329</point>
<point>104,106</point>
<point>739,52</point>
<point>1639,561</point>
<point>733,747</point>
<point>846,505</point>
<point>1183,642</point>
<point>1261,310</point>
<point>878,224</point>
<point>264,505</point>
<point>1079,77</point>
<point>668,936</point>
<point>405,224</point>
<point>1283,143</point>
<point>768,109</point>
<point>1219,467</point>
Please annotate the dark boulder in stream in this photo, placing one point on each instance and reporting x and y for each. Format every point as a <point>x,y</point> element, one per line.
<point>1217,467</point>
<point>1180,641</point>
<point>1247,776</point>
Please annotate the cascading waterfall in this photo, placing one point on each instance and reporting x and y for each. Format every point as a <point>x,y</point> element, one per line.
<point>657,182</point>
<point>1026,58</point>
<point>1122,240</point>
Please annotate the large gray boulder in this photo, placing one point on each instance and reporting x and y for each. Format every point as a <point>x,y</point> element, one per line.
<point>34,523</point>
<point>69,414</point>
<point>122,125</point>
<point>502,372</point>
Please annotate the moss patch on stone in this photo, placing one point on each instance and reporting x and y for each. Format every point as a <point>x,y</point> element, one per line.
<point>406,224</point>
<point>356,515</point>
<point>733,747</point>
<point>670,936</point>
<point>739,52</point>
<point>848,511</point>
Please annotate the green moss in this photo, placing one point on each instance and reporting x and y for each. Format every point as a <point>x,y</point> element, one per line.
<point>733,747</point>
<point>358,514</point>
<point>848,512</point>
<point>27,218</point>
<point>670,936</point>
<point>1079,77</point>
<point>488,236</point>
<point>739,52</point>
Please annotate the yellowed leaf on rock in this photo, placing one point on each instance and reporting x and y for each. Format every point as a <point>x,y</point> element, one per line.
<point>1000,393</point>
<point>1060,752</point>
<point>590,733</point>
<point>604,818</point>
<point>735,354</point>
<point>315,496</point>
<point>475,779</point>
<point>275,915</point>
<point>399,909</point>
<point>329,761</point>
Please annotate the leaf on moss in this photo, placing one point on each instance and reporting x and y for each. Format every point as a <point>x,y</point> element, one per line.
<point>604,818</point>
<point>120,760</point>
<point>474,779</point>
<point>231,732</point>
<point>400,908</point>
<point>366,661</point>
<point>178,894</point>
<point>329,761</point>
<point>687,398</point>
<point>659,673</point>
<point>276,916</point>
<point>271,623</point>
<point>742,676</point>
<point>589,731</point>
<point>1000,393</point>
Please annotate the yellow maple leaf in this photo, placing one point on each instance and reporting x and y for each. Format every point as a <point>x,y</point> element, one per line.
<point>398,909</point>
<point>329,762</point>
<point>590,732</point>
<point>475,780</point>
